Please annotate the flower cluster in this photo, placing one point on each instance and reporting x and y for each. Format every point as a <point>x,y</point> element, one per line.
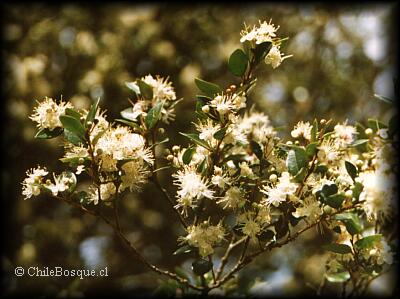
<point>47,113</point>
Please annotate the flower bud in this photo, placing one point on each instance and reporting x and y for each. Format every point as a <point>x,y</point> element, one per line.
<point>232,87</point>
<point>289,142</point>
<point>273,178</point>
<point>327,210</point>
<point>170,157</point>
<point>161,130</point>
<point>228,90</point>
<point>205,108</point>
<point>359,163</point>
<point>322,121</point>
<point>81,160</point>
<point>348,194</point>
<point>368,131</point>
<point>175,149</point>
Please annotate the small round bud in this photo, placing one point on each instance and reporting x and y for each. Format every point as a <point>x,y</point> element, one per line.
<point>359,163</point>
<point>368,131</point>
<point>217,171</point>
<point>327,210</point>
<point>99,151</point>
<point>81,160</point>
<point>272,169</point>
<point>273,178</point>
<point>48,182</point>
<point>254,205</point>
<point>330,171</point>
<point>205,108</point>
<point>170,157</point>
<point>289,142</point>
<point>37,180</point>
<point>296,142</point>
<point>161,130</point>
<point>167,152</point>
<point>348,194</point>
<point>232,87</point>
<point>228,90</point>
<point>175,149</point>
<point>322,121</point>
<point>89,123</point>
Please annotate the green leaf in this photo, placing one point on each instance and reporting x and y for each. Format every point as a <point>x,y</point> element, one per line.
<point>266,235</point>
<point>359,142</point>
<point>311,149</point>
<point>299,177</point>
<point>210,89</point>
<point>335,201</point>
<point>338,277</point>
<point>220,134</point>
<point>128,114</point>
<point>296,159</point>
<point>73,125</point>
<point>384,99</point>
<point>92,112</point>
<point>72,137</point>
<point>375,125</point>
<point>329,189</point>
<point>145,90</point>
<point>368,242</point>
<point>351,169</point>
<point>338,248</point>
<point>256,149</point>
<point>184,249</point>
<point>314,131</point>
<point>238,63</point>
<point>351,221</point>
<point>187,155</point>
<point>48,134</point>
<point>154,115</point>
<point>133,86</point>
<point>129,123</point>
<point>261,51</point>
<point>202,166</point>
<point>195,138</point>
<point>357,189</point>
<point>75,114</point>
<point>83,197</point>
<point>201,266</point>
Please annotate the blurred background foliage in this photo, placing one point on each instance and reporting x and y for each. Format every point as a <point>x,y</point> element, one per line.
<point>342,55</point>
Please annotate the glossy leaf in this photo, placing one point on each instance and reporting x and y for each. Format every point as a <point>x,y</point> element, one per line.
<point>261,51</point>
<point>73,125</point>
<point>238,63</point>
<point>201,266</point>
<point>296,159</point>
<point>338,248</point>
<point>48,134</point>
<point>154,115</point>
<point>369,241</point>
<point>351,221</point>
<point>220,134</point>
<point>210,89</point>
<point>351,169</point>
<point>145,90</point>
<point>92,112</point>
<point>338,277</point>
<point>187,155</point>
<point>195,138</point>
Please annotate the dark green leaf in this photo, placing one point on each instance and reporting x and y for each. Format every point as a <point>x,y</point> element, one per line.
<point>210,89</point>
<point>75,114</point>
<point>154,115</point>
<point>311,149</point>
<point>92,112</point>
<point>195,138</point>
<point>338,248</point>
<point>73,125</point>
<point>220,134</point>
<point>335,201</point>
<point>129,123</point>
<point>83,197</point>
<point>329,189</point>
<point>238,63</point>
<point>256,149</point>
<point>47,134</point>
<point>266,235</point>
<point>72,137</point>
<point>357,189</point>
<point>145,90</point>
<point>338,277</point>
<point>351,221</point>
<point>184,249</point>
<point>187,155</point>
<point>368,242</point>
<point>261,51</point>
<point>299,177</point>
<point>201,266</point>
<point>314,131</point>
<point>351,169</point>
<point>296,159</point>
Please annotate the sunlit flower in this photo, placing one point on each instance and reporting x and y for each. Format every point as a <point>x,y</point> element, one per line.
<point>31,185</point>
<point>302,129</point>
<point>345,133</point>
<point>233,198</point>
<point>47,113</point>
<point>162,88</point>
<point>309,208</point>
<point>106,192</point>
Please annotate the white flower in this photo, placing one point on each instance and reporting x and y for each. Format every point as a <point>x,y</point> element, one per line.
<point>207,130</point>
<point>204,236</point>
<point>31,185</point>
<point>245,170</point>
<point>191,188</point>
<point>233,198</point>
<point>302,129</point>
<point>62,182</point>
<point>106,192</point>
<point>162,88</point>
<point>345,133</point>
<point>281,191</point>
<point>249,226</point>
<point>328,151</point>
<point>47,113</point>
<point>220,179</point>
<point>264,33</point>
<point>310,208</point>
<point>274,57</point>
<point>135,174</point>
